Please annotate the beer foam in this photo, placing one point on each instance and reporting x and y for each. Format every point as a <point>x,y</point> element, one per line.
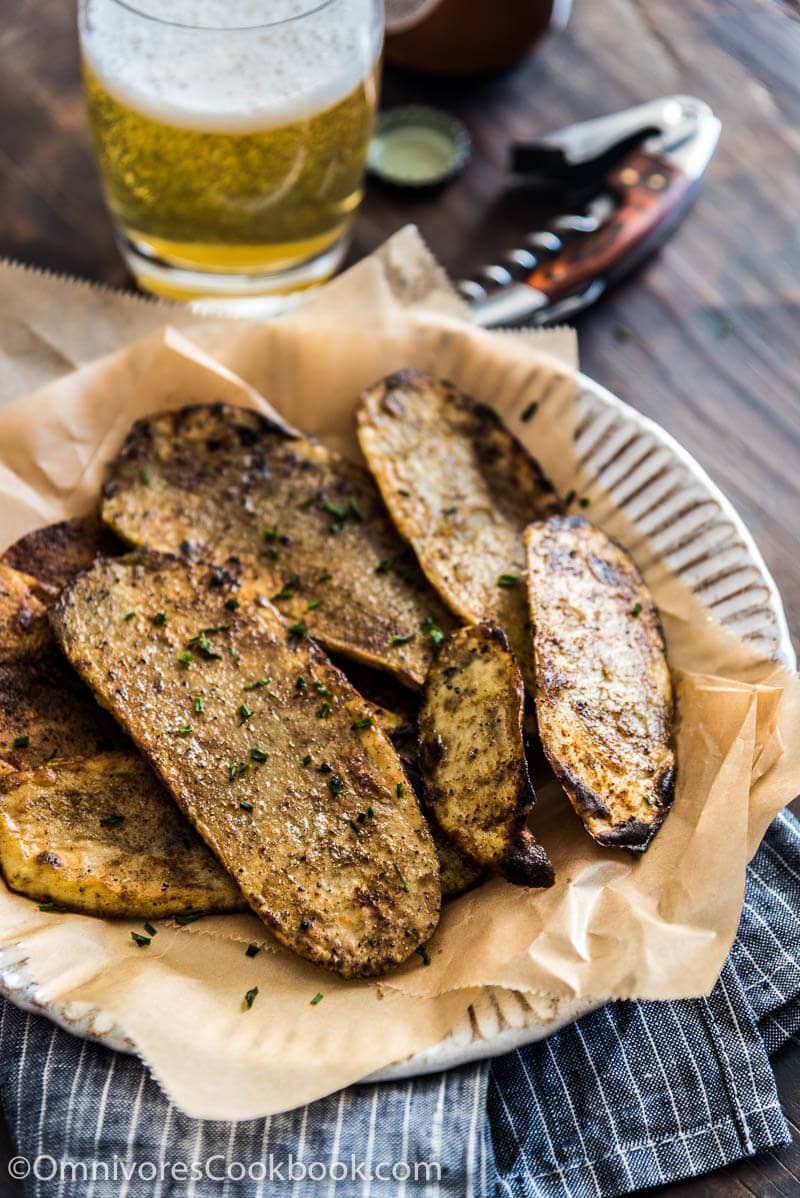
<point>230,66</point>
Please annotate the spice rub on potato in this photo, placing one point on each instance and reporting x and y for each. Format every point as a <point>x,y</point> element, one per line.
<point>603,691</point>
<point>101,836</point>
<point>279,768</point>
<point>461,490</point>
<point>58,552</point>
<point>472,755</point>
<point>215,482</point>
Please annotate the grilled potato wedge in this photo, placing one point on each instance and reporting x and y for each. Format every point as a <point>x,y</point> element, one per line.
<point>218,483</point>
<point>58,552</point>
<point>603,691</point>
<point>102,837</point>
<point>23,630</point>
<point>295,789</point>
<point>461,490</point>
<point>457,874</point>
<point>45,711</point>
<point>472,755</point>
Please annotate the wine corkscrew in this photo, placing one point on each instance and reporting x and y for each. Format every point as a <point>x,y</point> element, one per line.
<point>631,177</point>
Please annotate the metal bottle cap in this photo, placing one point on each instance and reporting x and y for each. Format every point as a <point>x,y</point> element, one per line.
<point>417,146</point>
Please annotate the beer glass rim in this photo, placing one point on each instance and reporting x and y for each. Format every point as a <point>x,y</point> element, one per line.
<point>315,6</point>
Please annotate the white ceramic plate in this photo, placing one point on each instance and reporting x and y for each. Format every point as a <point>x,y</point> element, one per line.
<point>670,498</point>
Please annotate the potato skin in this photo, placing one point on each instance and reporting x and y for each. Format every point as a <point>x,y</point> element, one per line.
<point>603,691</point>
<point>58,552</point>
<point>472,755</point>
<point>461,490</point>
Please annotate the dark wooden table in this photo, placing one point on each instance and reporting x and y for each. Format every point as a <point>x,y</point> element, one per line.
<point>711,327</point>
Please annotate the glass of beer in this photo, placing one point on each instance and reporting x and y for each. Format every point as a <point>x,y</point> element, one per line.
<point>231,136</point>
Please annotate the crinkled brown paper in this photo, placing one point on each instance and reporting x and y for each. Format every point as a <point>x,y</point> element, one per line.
<point>614,925</point>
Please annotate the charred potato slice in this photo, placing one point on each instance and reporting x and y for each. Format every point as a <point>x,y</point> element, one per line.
<point>100,836</point>
<point>218,483</point>
<point>280,769</point>
<point>45,711</point>
<point>603,691</point>
<point>58,552</point>
<point>457,874</point>
<point>461,490</point>
<point>472,755</point>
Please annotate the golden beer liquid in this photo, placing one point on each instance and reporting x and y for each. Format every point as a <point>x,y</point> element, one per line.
<point>229,202</point>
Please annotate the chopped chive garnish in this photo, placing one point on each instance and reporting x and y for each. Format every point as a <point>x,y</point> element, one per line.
<point>621,332</point>
<point>336,526</point>
<point>233,770</point>
<point>250,997</point>
<point>301,683</point>
<point>402,640</point>
<point>404,493</point>
<point>423,952</point>
<point>185,659</point>
<point>273,553</point>
<point>507,580</point>
<point>432,629</point>
<point>571,496</point>
<point>245,806</point>
<point>321,689</point>
<point>160,619</point>
<point>306,760</point>
<point>400,788</point>
<point>636,610</point>
<point>232,604</point>
<point>148,927</point>
<point>184,730</point>
<point>258,755</point>
<point>144,475</point>
<point>584,501</point>
<point>383,566</point>
<point>199,704</point>
<point>53,908</point>
<point>254,686</point>
<point>313,605</point>
<point>323,709</point>
<point>283,593</point>
<point>450,511</point>
<point>112,821</point>
<point>371,812</point>
<point>529,412</point>
<point>139,940</point>
<point>325,577</point>
<point>298,630</point>
<point>245,713</point>
<point>334,509</point>
<point>335,784</point>
<point>189,917</point>
<point>403,881</point>
<point>269,534</point>
<point>129,615</point>
<point>252,950</point>
<point>365,722</point>
<point>21,742</point>
<point>316,1000</point>
<point>214,628</point>
<point>353,509</point>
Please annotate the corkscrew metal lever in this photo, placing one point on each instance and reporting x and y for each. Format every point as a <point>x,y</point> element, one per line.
<point>631,175</point>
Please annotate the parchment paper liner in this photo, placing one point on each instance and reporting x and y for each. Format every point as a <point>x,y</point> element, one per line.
<point>614,926</point>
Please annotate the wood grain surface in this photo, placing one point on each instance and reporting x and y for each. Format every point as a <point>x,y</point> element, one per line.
<point>704,338</point>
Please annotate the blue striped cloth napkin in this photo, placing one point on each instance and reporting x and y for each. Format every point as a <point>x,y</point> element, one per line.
<point>631,1096</point>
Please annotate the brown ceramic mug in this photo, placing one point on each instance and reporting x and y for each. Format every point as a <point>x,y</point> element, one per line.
<point>466,37</point>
